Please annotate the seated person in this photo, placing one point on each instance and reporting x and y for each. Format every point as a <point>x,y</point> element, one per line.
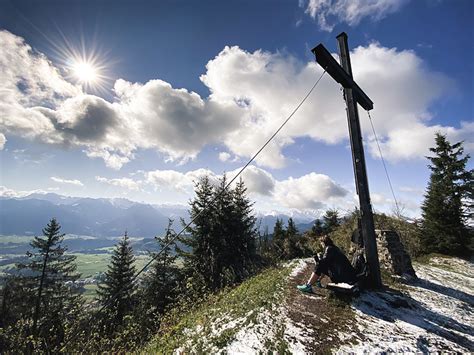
<point>333,264</point>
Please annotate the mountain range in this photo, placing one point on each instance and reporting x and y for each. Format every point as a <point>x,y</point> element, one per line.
<point>103,217</point>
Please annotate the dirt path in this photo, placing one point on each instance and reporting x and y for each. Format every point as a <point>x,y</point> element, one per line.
<point>322,320</point>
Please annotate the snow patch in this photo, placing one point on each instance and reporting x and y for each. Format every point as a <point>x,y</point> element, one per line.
<point>270,325</point>
<point>298,266</point>
<point>435,313</point>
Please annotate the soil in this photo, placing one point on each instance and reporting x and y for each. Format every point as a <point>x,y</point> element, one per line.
<point>322,314</point>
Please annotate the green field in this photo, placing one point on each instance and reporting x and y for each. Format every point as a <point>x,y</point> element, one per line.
<point>90,292</point>
<point>89,264</point>
<point>17,239</point>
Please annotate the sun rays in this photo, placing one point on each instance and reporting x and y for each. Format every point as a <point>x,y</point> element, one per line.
<point>83,64</point>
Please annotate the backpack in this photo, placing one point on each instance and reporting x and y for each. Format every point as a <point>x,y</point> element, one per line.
<point>361,267</point>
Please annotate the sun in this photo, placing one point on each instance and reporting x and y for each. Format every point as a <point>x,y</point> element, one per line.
<point>85,64</point>
<point>85,72</point>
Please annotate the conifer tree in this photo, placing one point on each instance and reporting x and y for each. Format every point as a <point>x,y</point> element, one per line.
<point>222,236</point>
<point>117,292</point>
<point>242,246</point>
<point>279,234</point>
<point>445,208</point>
<point>49,298</point>
<point>226,236</point>
<point>331,220</point>
<point>202,260</point>
<point>317,229</point>
<point>162,281</point>
<point>290,242</point>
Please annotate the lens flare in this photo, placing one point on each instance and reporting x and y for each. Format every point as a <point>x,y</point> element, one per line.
<point>82,62</point>
<point>85,72</point>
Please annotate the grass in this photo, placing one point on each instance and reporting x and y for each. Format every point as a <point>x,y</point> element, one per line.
<point>425,259</point>
<point>16,239</point>
<point>90,293</point>
<point>90,264</point>
<point>205,327</point>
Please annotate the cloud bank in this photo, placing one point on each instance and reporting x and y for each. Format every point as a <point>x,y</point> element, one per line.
<point>250,95</point>
<point>308,192</point>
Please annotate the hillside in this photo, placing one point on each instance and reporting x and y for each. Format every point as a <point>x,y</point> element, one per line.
<point>266,313</point>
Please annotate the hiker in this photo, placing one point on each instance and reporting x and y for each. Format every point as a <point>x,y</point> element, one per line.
<point>333,263</point>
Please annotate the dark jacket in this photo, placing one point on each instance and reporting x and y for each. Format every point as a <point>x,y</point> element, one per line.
<point>335,265</point>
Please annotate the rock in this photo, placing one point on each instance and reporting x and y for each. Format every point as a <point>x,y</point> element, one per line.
<point>392,254</point>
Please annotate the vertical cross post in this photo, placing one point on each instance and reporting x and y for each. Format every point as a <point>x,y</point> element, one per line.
<point>360,172</point>
<point>354,95</point>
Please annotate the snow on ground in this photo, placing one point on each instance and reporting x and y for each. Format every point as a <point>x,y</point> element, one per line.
<point>270,326</point>
<point>434,313</point>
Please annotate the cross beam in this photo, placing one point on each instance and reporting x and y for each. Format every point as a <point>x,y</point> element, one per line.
<point>353,94</point>
<point>327,61</point>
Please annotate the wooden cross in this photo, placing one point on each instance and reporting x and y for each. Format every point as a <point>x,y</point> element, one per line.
<point>353,94</point>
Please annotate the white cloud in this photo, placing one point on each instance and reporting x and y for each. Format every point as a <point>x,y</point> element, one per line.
<point>251,94</point>
<point>39,103</point>
<point>402,97</point>
<point>127,183</point>
<point>182,182</point>
<point>224,156</point>
<point>256,180</point>
<point>311,191</point>
<point>3,140</point>
<point>9,193</point>
<point>305,193</point>
<point>328,13</point>
<point>308,192</point>
<point>66,181</point>
<point>412,190</point>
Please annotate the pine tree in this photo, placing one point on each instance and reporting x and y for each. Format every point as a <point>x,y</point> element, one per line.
<point>116,293</point>
<point>279,234</point>
<point>202,261</point>
<point>162,281</point>
<point>222,236</point>
<point>331,220</point>
<point>48,296</point>
<point>290,243</point>
<point>317,229</point>
<point>445,207</point>
<point>226,235</point>
<point>242,250</point>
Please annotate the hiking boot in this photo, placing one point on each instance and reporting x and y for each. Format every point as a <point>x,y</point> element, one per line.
<point>305,288</point>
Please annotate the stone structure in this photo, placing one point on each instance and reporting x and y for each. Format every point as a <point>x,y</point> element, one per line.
<point>392,254</point>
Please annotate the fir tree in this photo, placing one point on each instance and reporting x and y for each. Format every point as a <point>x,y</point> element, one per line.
<point>279,234</point>
<point>202,261</point>
<point>242,246</point>
<point>331,220</point>
<point>162,281</point>
<point>226,236</point>
<point>445,208</point>
<point>222,236</point>
<point>116,293</point>
<point>44,293</point>
<point>290,242</point>
<point>317,229</point>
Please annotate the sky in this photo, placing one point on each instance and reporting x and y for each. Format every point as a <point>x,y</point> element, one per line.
<point>139,99</point>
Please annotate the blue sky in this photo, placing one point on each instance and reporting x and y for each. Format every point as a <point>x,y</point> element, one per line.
<point>191,88</point>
